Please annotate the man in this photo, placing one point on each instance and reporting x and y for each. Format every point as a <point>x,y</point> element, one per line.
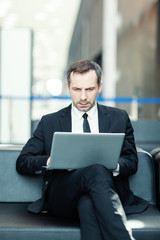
<point>93,194</point>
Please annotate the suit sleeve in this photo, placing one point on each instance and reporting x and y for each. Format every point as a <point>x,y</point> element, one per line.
<point>128,160</point>
<point>33,156</point>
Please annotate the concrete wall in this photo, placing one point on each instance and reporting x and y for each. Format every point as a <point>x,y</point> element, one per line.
<point>87,37</point>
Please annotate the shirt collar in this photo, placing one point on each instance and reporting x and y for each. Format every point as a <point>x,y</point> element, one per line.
<point>91,113</point>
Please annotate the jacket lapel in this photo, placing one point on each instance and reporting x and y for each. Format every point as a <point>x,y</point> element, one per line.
<point>103,119</point>
<point>65,120</point>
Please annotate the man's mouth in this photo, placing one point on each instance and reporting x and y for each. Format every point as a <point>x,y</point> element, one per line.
<point>83,104</point>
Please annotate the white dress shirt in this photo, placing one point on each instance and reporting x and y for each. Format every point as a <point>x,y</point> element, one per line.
<point>77,124</point>
<point>77,120</point>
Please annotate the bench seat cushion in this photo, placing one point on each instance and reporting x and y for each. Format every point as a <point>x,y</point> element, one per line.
<point>17,223</point>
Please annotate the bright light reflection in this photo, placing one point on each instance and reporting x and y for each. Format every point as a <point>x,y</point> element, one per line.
<point>40,16</point>
<point>54,86</point>
<point>135,224</point>
<point>3,12</point>
<point>6,4</point>
<point>10,20</point>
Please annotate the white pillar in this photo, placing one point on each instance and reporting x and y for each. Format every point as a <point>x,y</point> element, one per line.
<point>15,81</point>
<point>109,50</point>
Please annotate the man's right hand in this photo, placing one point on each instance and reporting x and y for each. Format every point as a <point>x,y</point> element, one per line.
<point>48,161</point>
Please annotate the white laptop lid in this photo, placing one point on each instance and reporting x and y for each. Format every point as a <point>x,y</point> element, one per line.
<point>77,150</point>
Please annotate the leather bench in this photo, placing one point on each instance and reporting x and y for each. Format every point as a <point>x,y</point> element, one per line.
<point>17,191</point>
<point>146,134</point>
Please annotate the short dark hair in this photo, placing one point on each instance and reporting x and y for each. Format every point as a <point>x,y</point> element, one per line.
<point>84,66</point>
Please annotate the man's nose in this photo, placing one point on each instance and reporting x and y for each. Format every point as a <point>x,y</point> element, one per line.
<point>83,95</point>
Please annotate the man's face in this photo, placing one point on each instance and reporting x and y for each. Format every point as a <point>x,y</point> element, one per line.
<point>84,90</point>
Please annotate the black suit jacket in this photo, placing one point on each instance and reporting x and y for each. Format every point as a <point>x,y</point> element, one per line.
<point>111,120</point>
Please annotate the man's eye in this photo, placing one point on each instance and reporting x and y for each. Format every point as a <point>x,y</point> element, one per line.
<point>90,89</point>
<point>77,89</point>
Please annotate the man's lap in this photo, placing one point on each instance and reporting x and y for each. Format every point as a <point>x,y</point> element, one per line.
<point>67,188</point>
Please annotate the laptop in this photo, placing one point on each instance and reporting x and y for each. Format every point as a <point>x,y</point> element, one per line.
<point>77,150</point>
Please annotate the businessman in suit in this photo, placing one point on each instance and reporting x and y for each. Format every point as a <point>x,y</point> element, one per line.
<point>99,198</point>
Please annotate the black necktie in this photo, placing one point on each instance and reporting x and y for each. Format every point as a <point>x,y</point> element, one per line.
<point>86,127</point>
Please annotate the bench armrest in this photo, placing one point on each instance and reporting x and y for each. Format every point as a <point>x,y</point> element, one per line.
<point>156,157</point>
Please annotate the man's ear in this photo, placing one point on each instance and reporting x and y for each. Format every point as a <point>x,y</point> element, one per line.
<point>67,85</point>
<point>100,87</point>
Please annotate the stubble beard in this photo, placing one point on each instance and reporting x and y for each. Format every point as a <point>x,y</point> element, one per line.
<point>84,109</point>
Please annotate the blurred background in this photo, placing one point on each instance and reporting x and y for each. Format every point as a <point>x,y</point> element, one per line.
<point>39,39</point>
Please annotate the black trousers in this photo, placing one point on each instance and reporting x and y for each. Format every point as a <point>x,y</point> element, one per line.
<point>89,194</point>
